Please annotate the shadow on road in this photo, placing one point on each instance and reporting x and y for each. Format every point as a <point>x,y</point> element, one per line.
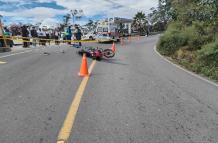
<point>113,61</point>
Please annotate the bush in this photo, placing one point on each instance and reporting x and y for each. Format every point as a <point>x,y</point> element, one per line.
<point>175,25</point>
<point>209,71</point>
<point>208,55</point>
<point>171,41</point>
<point>195,39</point>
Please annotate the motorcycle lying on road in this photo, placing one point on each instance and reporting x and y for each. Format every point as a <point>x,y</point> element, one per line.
<point>96,53</point>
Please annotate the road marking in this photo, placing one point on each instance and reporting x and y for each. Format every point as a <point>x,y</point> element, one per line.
<point>15,54</point>
<point>1,62</point>
<point>71,115</point>
<point>181,68</point>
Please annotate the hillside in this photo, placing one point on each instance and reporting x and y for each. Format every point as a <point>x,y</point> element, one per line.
<point>191,38</point>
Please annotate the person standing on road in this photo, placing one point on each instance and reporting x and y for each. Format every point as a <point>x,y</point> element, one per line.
<point>78,35</point>
<point>69,35</point>
<point>57,36</point>
<point>34,35</point>
<point>25,35</point>
<point>147,30</point>
<point>42,35</point>
<point>29,35</point>
<point>48,36</point>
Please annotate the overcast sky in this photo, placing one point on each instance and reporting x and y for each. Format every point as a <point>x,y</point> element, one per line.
<point>52,11</point>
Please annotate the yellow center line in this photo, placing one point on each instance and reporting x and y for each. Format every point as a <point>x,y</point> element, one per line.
<point>1,62</point>
<point>67,126</point>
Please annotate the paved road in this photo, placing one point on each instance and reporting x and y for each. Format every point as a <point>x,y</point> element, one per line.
<point>135,98</point>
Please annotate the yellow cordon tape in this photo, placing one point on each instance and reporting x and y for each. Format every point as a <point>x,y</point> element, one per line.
<point>25,39</point>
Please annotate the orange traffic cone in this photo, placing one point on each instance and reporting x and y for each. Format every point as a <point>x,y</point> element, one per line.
<point>84,67</point>
<point>113,47</point>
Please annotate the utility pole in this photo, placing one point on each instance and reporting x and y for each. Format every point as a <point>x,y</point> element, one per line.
<point>74,13</point>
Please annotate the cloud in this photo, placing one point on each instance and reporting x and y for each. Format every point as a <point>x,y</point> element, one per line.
<point>47,16</point>
<point>109,7</point>
<point>8,1</point>
<point>91,8</point>
<point>37,12</point>
<point>17,2</point>
<point>50,22</point>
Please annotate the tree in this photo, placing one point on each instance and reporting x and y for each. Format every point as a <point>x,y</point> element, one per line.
<point>189,11</point>
<point>66,20</point>
<point>192,30</point>
<point>162,15</point>
<point>15,29</point>
<point>140,22</point>
<point>91,25</point>
<point>121,28</point>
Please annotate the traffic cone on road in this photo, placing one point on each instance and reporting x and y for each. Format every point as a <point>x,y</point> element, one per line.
<point>84,67</point>
<point>113,47</point>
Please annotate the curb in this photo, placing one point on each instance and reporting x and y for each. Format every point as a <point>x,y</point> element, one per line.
<point>185,70</point>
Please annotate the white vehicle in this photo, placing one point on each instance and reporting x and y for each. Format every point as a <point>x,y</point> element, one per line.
<point>89,36</point>
<point>109,29</point>
<point>103,37</point>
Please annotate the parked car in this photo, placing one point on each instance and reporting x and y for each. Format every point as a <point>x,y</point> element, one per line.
<point>89,36</point>
<point>104,37</point>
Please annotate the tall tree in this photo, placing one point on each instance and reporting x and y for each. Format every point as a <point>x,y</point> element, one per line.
<point>15,29</point>
<point>163,13</point>
<point>188,11</point>
<point>140,22</point>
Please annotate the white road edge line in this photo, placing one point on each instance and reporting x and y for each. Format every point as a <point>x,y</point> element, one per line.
<point>15,54</point>
<point>181,68</point>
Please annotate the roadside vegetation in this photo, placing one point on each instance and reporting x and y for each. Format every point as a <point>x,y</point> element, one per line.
<point>191,37</point>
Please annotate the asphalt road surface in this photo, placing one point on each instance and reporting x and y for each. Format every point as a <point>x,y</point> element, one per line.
<point>136,97</point>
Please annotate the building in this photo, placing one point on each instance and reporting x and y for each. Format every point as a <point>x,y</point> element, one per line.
<point>119,23</point>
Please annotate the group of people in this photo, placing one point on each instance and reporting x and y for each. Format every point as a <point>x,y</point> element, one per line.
<point>77,34</point>
<point>46,36</point>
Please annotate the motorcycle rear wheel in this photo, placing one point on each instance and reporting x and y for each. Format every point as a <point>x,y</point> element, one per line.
<point>108,53</point>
